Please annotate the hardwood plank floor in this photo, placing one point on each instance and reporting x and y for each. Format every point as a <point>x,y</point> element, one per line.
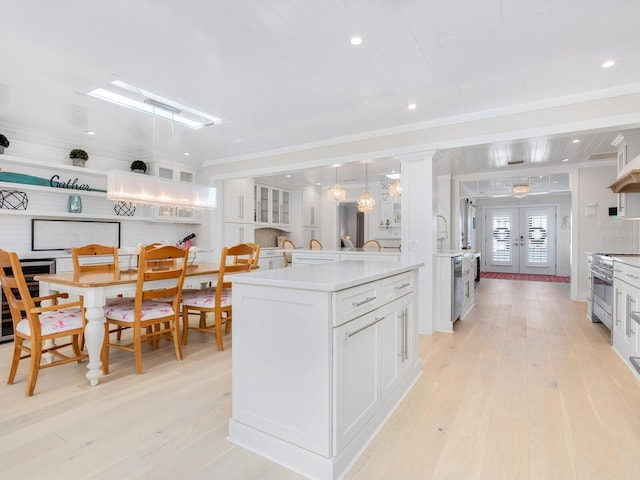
<point>525,388</point>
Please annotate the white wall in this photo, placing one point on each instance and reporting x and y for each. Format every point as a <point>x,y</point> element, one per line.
<point>597,231</point>
<point>15,234</point>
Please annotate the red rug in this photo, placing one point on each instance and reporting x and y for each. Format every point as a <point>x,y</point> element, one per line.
<point>525,276</point>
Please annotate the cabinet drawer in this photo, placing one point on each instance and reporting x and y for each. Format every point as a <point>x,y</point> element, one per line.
<point>396,286</point>
<point>353,302</point>
<point>627,273</point>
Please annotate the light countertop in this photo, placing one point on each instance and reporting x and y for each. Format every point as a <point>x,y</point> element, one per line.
<point>454,253</point>
<point>388,251</point>
<point>329,277</point>
<point>628,259</point>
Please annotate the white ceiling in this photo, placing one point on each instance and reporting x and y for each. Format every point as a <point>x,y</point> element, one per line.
<point>282,73</point>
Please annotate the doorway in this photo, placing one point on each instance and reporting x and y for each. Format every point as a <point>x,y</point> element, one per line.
<point>520,240</point>
<point>351,223</point>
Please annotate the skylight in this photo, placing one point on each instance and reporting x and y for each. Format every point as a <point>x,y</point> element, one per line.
<point>135,98</point>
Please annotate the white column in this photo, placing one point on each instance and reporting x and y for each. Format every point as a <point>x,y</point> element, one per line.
<point>417,220</point>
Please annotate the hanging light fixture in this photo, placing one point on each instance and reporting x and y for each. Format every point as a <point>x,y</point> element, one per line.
<point>366,201</point>
<point>149,190</point>
<point>336,193</point>
<point>521,189</point>
<point>395,188</point>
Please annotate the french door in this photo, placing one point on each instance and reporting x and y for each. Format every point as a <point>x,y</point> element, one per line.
<point>520,240</point>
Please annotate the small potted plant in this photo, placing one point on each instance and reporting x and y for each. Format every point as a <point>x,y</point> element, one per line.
<point>79,157</point>
<point>4,143</point>
<point>138,166</point>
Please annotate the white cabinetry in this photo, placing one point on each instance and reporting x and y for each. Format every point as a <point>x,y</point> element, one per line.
<point>270,259</point>
<point>238,201</point>
<point>446,286</point>
<point>238,211</point>
<point>628,146</point>
<point>372,356</point>
<point>626,306</point>
<point>310,208</point>
<point>235,233</point>
<point>272,206</point>
<point>302,256</point>
<point>322,354</point>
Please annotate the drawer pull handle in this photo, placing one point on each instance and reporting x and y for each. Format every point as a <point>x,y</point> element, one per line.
<point>366,300</point>
<point>351,334</point>
<point>404,285</point>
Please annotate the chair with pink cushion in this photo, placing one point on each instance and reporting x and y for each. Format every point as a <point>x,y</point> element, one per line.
<point>215,300</point>
<point>38,325</point>
<point>156,305</point>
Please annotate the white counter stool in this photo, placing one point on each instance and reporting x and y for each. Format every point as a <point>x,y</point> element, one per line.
<point>287,246</point>
<point>372,246</point>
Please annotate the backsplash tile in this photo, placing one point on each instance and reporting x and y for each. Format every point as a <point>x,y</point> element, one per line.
<point>268,237</point>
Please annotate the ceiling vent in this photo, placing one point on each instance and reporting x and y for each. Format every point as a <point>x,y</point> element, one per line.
<point>603,156</point>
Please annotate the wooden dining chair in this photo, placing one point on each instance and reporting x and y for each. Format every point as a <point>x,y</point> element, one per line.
<point>96,258</point>
<point>156,305</point>
<point>287,246</point>
<point>315,244</point>
<point>85,258</point>
<point>254,258</point>
<point>36,324</point>
<point>215,300</point>
<point>372,246</point>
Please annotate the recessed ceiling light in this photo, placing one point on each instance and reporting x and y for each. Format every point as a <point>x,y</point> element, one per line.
<point>89,132</point>
<point>186,154</point>
<point>356,40</point>
<point>565,159</point>
<point>288,176</point>
<point>412,106</point>
<point>575,140</point>
<point>608,64</point>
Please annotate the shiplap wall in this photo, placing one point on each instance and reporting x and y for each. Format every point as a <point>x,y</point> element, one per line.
<point>15,230</point>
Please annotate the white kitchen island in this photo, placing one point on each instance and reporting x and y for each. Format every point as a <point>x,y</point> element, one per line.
<point>322,354</point>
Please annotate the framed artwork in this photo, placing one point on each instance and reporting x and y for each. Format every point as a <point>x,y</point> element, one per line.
<point>64,234</point>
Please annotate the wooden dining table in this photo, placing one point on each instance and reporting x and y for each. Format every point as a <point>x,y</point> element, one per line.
<point>96,287</point>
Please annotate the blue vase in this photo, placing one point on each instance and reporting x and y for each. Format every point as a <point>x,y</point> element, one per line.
<point>74,204</point>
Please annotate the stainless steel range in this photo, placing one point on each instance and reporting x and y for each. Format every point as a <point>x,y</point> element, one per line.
<point>602,289</point>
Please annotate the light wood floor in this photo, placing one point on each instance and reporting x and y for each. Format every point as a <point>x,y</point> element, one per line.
<point>526,388</point>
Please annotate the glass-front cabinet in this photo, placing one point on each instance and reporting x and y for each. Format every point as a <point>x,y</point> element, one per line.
<point>261,204</point>
<point>272,205</point>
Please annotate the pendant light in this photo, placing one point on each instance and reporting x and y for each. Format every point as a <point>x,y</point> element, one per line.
<point>150,190</point>
<point>521,188</point>
<point>366,201</point>
<point>337,193</point>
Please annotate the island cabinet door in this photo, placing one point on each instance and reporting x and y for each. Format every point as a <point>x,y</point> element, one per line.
<point>356,374</point>
<point>397,348</point>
